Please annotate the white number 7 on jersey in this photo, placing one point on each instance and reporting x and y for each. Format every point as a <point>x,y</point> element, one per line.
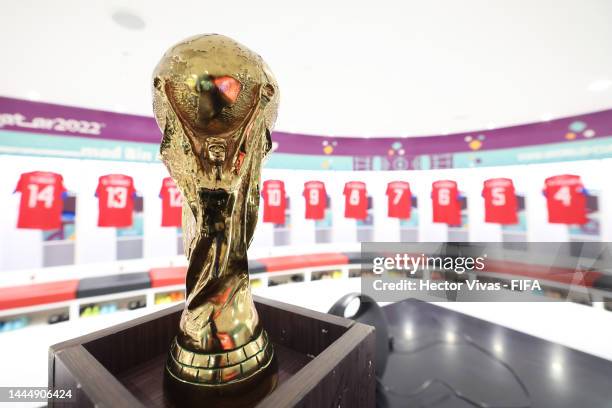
<point>399,192</point>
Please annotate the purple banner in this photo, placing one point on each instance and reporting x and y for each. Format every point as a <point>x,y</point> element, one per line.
<point>598,124</point>
<point>45,118</point>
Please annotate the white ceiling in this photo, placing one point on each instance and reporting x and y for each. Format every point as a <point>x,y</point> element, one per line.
<point>367,68</point>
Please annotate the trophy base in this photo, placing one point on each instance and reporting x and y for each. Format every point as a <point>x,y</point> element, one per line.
<point>228,376</point>
<point>245,394</point>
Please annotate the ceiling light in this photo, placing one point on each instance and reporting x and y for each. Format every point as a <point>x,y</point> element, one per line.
<point>600,85</point>
<point>128,20</point>
<point>556,368</point>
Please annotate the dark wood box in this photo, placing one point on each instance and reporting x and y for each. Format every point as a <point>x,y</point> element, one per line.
<point>323,361</point>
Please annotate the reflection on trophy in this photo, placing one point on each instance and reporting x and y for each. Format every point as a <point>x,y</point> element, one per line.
<point>216,103</point>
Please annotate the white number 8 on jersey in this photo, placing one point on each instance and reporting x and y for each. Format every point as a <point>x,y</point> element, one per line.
<point>444,196</point>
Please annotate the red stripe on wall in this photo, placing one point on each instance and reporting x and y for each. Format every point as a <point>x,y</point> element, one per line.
<point>37,294</point>
<point>168,276</point>
<point>283,263</point>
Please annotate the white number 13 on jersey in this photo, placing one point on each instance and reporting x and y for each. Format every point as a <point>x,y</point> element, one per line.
<point>116,197</point>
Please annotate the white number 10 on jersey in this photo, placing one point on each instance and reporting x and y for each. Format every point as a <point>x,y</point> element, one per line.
<point>274,197</point>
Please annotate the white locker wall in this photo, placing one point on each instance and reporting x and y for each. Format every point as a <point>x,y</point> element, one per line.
<point>22,249</point>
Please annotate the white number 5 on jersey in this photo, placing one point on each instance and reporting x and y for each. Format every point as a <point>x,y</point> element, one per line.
<point>498,196</point>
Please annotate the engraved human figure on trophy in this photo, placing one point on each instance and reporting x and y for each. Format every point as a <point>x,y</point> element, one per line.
<point>216,103</point>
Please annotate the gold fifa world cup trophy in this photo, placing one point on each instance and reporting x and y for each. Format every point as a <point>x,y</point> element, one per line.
<point>216,103</point>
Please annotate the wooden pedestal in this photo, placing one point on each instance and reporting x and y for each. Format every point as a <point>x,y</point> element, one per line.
<point>323,361</point>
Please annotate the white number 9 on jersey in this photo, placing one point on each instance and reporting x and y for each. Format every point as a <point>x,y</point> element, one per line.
<point>313,197</point>
<point>354,197</point>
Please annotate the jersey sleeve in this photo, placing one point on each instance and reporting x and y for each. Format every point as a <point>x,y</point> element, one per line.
<point>162,188</point>
<point>345,191</point>
<point>132,188</point>
<point>98,188</point>
<point>63,192</point>
<point>20,184</point>
<point>60,183</point>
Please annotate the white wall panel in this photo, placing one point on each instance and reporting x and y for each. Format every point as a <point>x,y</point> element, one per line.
<point>21,249</point>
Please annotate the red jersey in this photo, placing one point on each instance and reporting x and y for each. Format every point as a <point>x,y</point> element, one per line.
<point>316,200</point>
<point>500,201</point>
<point>115,200</point>
<point>565,199</point>
<point>275,201</point>
<point>172,203</point>
<point>446,206</point>
<point>356,201</point>
<point>41,200</point>
<point>400,199</point>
